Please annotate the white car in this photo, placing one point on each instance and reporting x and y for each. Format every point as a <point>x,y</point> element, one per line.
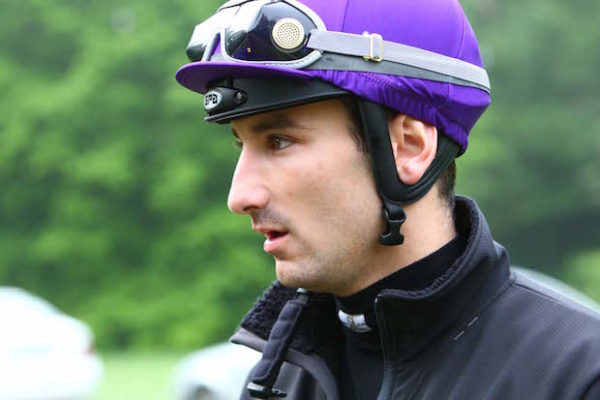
<point>219,372</point>
<point>44,353</point>
<point>215,373</point>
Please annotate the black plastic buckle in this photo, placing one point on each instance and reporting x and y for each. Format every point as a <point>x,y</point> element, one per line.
<point>263,392</point>
<point>392,235</point>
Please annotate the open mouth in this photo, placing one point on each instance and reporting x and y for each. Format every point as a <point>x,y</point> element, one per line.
<point>275,241</point>
<point>272,235</point>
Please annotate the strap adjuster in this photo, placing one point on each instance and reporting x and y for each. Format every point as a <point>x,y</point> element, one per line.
<point>374,37</point>
<point>394,218</point>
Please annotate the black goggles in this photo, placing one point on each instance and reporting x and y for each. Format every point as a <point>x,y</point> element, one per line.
<point>289,34</point>
<point>259,31</point>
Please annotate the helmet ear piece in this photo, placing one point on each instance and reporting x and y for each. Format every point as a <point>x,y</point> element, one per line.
<point>393,192</point>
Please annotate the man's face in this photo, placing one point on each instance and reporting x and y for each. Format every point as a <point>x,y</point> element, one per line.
<point>307,187</point>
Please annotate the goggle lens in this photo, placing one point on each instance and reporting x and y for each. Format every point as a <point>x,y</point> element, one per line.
<point>258,34</point>
<point>255,31</point>
<point>207,33</point>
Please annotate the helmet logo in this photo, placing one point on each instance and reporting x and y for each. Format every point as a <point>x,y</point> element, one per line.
<point>212,99</point>
<point>288,34</point>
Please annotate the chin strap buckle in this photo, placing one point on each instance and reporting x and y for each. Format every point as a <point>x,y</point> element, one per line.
<point>394,218</point>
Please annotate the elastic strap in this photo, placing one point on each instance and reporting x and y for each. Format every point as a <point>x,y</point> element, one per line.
<point>393,192</point>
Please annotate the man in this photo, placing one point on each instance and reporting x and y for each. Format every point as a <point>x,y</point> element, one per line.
<point>349,115</point>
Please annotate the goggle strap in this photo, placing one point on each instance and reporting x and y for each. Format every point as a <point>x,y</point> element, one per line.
<point>341,62</point>
<point>363,46</point>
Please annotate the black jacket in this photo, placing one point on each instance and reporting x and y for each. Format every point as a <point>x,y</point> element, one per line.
<point>478,332</point>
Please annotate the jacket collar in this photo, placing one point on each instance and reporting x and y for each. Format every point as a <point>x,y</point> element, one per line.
<point>409,320</point>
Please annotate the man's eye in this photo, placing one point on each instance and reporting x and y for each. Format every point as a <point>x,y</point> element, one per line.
<point>238,143</point>
<point>278,142</point>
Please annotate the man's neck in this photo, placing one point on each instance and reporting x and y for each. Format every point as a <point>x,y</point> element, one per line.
<point>429,226</point>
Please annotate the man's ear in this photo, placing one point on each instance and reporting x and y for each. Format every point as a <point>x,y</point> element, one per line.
<point>414,144</point>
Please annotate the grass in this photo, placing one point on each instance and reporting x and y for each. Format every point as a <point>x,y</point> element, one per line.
<point>132,376</point>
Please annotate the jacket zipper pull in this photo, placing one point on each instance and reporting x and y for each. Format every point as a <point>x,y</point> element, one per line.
<point>266,371</point>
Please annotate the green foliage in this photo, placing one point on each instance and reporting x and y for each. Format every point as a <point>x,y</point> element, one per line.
<point>584,273</point>
<point>534,159</point>
<point>113,201</point>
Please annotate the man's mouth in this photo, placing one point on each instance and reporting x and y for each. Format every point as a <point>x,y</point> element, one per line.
<point>272,235</point>
<point>275,237</point>
<point>275,241</point>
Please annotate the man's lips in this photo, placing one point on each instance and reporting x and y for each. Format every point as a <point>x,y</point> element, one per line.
<point>274,243</point>
<point>269,231</point>
<point>275,237</point>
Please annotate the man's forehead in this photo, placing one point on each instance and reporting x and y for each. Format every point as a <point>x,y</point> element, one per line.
<point>264,122</point>
<point>292,118</point>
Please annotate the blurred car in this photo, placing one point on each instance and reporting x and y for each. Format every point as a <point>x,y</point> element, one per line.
<point>44,353</point>
<point>215,373</point>
<point>219,372</point>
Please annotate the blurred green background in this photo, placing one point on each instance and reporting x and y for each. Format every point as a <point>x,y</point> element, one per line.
<point>113,187</point>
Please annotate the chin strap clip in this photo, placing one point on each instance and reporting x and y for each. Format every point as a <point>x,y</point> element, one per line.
<point>394,217</point>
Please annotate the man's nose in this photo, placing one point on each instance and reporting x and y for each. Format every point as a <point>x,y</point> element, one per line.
<point>248,191</point>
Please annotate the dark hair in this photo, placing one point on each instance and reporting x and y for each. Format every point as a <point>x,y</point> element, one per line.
<point>446,180</point>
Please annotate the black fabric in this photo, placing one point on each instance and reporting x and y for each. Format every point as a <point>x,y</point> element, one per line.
<point>415,276</point>
<point>477,332</point>
<point>315,334</point>
<point>593,393</point>
<point>362,369</point>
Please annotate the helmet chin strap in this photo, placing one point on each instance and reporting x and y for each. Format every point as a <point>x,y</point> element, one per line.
<point>393,192</point>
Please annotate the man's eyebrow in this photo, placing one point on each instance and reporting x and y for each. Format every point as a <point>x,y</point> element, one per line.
<point>278,122</point>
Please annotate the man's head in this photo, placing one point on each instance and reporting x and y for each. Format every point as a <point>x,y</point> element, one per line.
<point>297,80</point>
<point>307,184</point>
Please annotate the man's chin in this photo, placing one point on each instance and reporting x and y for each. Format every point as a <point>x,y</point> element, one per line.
<point>295,276</point>
<point>291,274</point>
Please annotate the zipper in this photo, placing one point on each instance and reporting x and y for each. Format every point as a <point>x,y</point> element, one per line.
<point>312,365</point>
<point>387,381</point>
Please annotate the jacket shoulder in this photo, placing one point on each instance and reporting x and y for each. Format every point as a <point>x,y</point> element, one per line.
<point>549,304</point>
<point>531,342</point>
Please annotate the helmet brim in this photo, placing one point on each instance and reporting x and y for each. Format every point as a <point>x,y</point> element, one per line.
<point>197,76</point>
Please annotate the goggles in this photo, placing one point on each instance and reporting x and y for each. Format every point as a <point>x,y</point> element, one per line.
<point>286,33</point>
